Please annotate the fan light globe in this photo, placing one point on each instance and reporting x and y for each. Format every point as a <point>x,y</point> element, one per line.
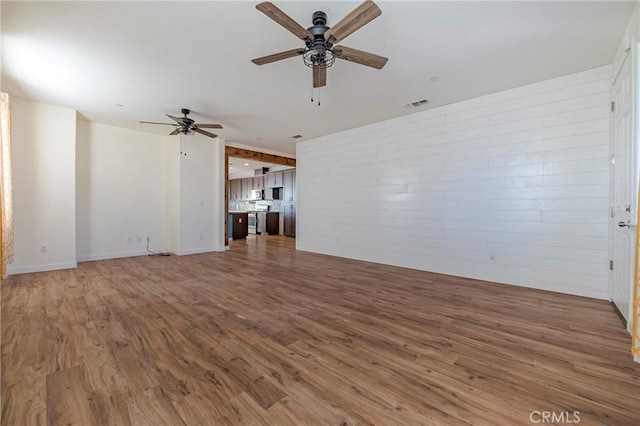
<point>312,58</point>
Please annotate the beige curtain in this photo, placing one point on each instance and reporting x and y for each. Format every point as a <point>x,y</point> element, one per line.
<point>6,195</point>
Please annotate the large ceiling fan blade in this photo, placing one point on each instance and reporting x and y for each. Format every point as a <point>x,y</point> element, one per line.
<point>283,19</point>
<point>278,56</point>
<point>359,17</point>
<point>208,126</point>
<point>360,57</point>
<point>175,132</point>
<point>319,76</point>
<point>154,122</point>
<point>179,120</point>
<point>204,132</point>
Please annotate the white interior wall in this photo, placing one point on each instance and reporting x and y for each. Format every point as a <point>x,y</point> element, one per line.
<point>44,179</point>
<point>121,187</point>
<point>219,195</point>
<point>631,33</point>
<point>511,187</point>
<point>125,186</point>
<point>173,162</point>
<point>200,183</point>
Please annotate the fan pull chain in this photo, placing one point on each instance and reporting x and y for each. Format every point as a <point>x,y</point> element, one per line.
<point>183,145</point>
<point>312,90</point>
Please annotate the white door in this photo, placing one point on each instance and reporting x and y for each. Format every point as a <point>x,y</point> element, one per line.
<point>623,194</point>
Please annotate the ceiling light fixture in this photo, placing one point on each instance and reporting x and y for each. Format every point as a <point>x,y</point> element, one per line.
<point>319,52</point>
<point>246,164</point>
<point>186,126</point>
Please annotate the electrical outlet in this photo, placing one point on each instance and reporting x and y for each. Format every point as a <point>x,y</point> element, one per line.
<point>43,249</point>
<point>129,240</point>
<point>139,239</point>
<point>201,237</point>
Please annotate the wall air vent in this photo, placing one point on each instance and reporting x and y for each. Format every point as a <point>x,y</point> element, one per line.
<point>416,104</point>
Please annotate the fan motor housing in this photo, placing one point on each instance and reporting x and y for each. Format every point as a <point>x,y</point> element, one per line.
<point>319,27</point>
<point>319,18</point>
<point>186,121</point>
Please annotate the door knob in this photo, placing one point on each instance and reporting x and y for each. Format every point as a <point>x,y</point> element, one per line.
<point>627,224</point>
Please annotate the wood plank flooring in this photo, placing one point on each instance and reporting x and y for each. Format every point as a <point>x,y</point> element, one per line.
<point>265,335</point>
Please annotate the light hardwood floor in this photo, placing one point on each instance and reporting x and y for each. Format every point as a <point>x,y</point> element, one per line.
<point>263,334</point>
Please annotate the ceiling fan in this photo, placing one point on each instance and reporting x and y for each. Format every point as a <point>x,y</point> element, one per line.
<point>186,126</point>
<point>320,52</point>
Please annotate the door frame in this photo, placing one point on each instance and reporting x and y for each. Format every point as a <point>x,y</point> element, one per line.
<point>634,294</point>
<point>632,57</point>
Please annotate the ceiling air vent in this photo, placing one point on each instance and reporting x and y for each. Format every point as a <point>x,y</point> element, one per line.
<point>416,104</point>
<point>296,136</point>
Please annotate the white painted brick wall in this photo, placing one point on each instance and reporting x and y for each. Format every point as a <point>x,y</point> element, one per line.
<point>512,187</point>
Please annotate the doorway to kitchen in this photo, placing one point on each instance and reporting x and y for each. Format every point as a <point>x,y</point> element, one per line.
<point>259,195</point>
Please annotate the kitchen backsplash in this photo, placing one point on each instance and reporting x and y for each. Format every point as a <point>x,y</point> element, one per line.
<point>240,206</point>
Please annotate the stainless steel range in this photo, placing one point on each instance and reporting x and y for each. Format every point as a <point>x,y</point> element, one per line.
<point>258,220</point>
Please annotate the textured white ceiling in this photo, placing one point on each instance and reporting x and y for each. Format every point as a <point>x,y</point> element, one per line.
<point>154,58</point>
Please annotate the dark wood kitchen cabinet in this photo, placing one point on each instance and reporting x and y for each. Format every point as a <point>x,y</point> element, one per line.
<point>289,201</point>
<point>247,186</point>
<point>289,220</point>
<point>235,190</point>
<point>258,182</point>
<point>273,180</point>
<point>238,225</point>
<point>273,223</point>
<point>289,185</point>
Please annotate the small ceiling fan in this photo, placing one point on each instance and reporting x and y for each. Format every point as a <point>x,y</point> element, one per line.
<point>186,126</point>
<point>320,52</point>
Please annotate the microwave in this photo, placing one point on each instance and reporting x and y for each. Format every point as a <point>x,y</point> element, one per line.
<point>256,194</point>
<point>273,194</point>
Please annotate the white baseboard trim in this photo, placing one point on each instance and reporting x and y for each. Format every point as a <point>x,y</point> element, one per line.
<point>15,270</point>
<point>92,257</point>
<point>196,251</point>
<point>483,276</point>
